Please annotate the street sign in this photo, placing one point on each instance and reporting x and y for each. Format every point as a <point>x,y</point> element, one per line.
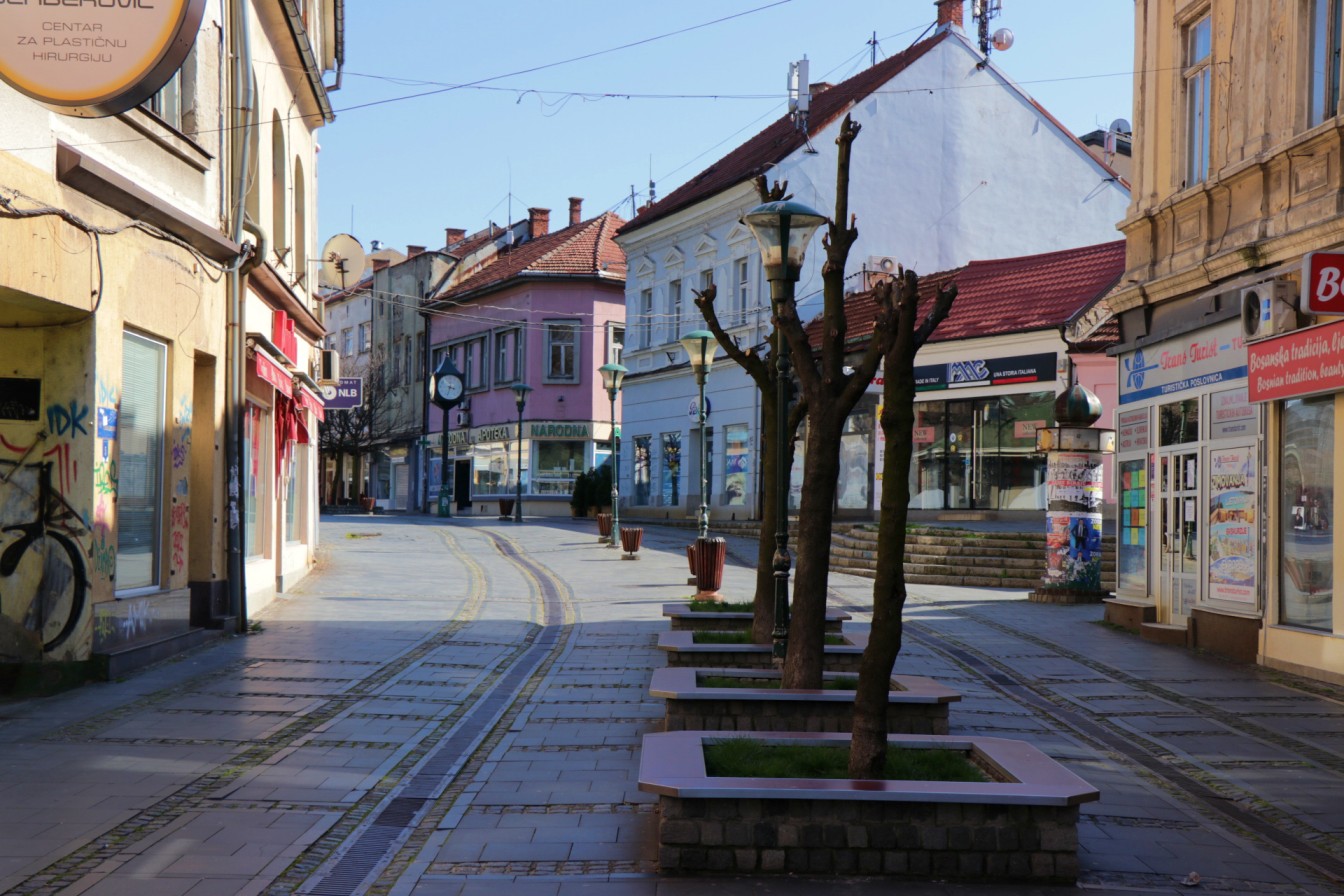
<point>1323,282</point>
<point>346,395</point>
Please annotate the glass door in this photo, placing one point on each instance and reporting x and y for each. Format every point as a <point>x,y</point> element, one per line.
<point>1179,526</point>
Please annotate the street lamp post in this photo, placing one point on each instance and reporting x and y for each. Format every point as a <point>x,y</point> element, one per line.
<point>783,229</point>
<point>700,346</point>
<point>520,391</point>
<point>612,377</point>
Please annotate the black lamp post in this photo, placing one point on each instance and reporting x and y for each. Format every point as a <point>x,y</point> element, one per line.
<point>520,391</point>
<point>700,346</point>
<point>783,230</point>
<point>612,377</point>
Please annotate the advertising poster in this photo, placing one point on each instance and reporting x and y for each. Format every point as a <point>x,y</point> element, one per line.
<point>736,461</point>
<point>1073,521</point>
<point>1232,525</point>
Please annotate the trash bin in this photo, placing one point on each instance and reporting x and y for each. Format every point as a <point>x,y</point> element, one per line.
<point>631,536</point>
<point>445,503</point>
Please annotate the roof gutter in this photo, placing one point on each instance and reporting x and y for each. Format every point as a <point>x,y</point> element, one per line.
<point>304,44</point>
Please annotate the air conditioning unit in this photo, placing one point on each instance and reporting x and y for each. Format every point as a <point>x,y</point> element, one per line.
<point>879,269</point>
<point>329,366</point>
<point>1267,310</point>
<point>461,418</point>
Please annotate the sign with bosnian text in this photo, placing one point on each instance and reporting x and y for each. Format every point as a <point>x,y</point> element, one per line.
<point>94,58</point>
<point>1303,362</point>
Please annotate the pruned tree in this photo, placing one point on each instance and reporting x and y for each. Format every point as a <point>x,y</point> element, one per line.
<point>831,383</point>
<point>358,431</point>
<point>868,748</point>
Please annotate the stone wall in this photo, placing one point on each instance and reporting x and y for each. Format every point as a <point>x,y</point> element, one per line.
<point>939,840</point>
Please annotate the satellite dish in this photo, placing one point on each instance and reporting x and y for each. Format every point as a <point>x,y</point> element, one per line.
<point>1003,39</point>
<point>342,262</point>
<point>1120,126</point>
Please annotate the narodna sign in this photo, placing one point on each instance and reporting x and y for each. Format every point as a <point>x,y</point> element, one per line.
<point>94,58</point>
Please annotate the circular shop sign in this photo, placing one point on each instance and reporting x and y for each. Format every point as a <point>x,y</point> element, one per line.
<point>94,58</point>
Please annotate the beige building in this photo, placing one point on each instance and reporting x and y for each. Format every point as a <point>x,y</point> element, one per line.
<point>1227,456</point>
<point>128,248</point>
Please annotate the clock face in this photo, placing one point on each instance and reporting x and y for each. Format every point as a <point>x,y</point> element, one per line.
<point>450,387</point>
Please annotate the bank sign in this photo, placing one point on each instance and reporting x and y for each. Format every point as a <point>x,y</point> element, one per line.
<point>94,58</point>
<point>346,395</point>
<point>1201,359</point>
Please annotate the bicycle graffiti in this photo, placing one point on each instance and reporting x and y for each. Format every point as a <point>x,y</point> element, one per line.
<point>43,577</point>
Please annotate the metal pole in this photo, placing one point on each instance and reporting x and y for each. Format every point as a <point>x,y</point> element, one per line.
<point>704,484</point>
<point>518,493</point>
<point>781,290</point>
<point>615,475</point>
<point>445,496</point>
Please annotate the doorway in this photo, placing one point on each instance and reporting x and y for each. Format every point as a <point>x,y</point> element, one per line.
<point>1181,547</point>
<point>462,484</point>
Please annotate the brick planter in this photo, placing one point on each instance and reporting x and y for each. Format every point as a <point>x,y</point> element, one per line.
<point>681,650</point>
<point>916,705</point>
<point>684,620</point>
<point>1022,826</point>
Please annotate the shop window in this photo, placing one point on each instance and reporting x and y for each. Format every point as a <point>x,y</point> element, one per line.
<point>642,470</point>
<point>557,465</point>
<point>1306,506</point>
<point>298,466</point>
<point>737,463</point>
<point>1323,77</point>
<point>1131,546</point>
<point>140,463</point>
<point>256,467</point>
<point>1178,422</point>
<point>671,470</point>
<point>1198,81</point>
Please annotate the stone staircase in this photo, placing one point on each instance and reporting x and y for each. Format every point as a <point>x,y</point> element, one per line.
<point>939,555</point>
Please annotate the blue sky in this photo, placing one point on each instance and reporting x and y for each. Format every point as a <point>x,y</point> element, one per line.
<point>665,90</point>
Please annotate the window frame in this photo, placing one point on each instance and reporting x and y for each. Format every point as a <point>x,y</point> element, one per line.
<point>1197,84</point>
<point>1324,39</point>
<point>551,328</point>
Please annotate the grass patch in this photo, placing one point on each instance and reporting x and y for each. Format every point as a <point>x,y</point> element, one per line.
<point>842,683</point>
<point>745,638</point>
<point>744,757</point>
<point>715,606</point>
<point>363,535</point>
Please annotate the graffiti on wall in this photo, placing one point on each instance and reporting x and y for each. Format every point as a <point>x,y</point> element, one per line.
<point>43,575</point>
<point>180,520</point>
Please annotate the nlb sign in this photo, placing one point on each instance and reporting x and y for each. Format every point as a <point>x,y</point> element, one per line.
<point>1323,282</point>
<point>94,58</point>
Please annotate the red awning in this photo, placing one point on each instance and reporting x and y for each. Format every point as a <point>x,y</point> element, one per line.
<point>310,400</point>
<point>271,372</point>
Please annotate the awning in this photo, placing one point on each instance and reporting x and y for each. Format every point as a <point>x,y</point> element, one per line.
<point>310,400</point>
<point>270,371</point>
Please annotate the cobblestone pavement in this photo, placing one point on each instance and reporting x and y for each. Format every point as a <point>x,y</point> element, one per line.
<point>456,707</point>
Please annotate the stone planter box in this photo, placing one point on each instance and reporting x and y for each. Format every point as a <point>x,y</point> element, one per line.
<point>681,650</point>
<point>916,705</point>
<point>684,620</point>
<point>1022,826</point>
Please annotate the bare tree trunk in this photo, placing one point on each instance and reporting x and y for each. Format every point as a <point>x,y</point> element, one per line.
<point>868,744</point>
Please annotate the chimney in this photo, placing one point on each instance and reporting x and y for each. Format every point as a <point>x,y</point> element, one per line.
<point>575,210</point>
<point>453,235</point>
<point>949,12</point>
<point>379,263</point>
<point>538,222</point>
<point>412,251</point>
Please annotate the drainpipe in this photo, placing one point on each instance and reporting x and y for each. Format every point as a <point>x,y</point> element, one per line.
<point>237,349</point>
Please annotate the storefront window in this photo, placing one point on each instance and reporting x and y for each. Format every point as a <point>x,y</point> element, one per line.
<point>642,471</point>
<point>737,459</point>
<point>296,467</point>
<point>1178,422</point>
<point>1306,505</point>
<point>492,468</point>
<point>671,482</point>
<point>557,465</point>
<point>140,437</point>
<point>255,469</point>
<point>1131,547</point>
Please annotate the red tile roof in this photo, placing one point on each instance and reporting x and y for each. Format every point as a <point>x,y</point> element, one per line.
<point>585,249</point>
<point>1006,295</point>
<point>777,141</point>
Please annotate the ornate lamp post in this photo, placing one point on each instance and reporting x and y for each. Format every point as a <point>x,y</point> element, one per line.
<point>783,230</point>
<point>520,391</point>
<point>612,377</point>
<point>700,347</point>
